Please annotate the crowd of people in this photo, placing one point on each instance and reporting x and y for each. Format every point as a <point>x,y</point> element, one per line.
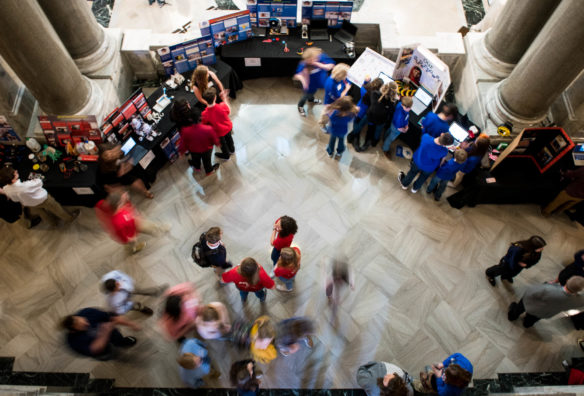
<point>188,320</point>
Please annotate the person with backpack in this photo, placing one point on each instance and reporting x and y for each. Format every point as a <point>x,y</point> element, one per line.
<point>210,251</point>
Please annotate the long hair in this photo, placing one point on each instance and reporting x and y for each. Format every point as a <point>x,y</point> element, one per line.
<point>344,106</point>
<point>533,243</point>
<point>373,85</point>
<point>288,258</point>
<point>457,376</point>
<point>201,77</point>
<point>479,147</point>
<point>388,91</point>
<point>183,114</point>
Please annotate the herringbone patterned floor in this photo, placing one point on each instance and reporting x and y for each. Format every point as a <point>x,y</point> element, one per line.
<point>420,289</point>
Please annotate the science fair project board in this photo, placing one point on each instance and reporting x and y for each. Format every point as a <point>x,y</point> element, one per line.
<point>335,12</point>
<point>228,29</point>
<point>370,64</point>
<point>188,55</point>
<point>424,69</point>
<point>60,130</point>
<point>262,10</point>
<point>117,125</point>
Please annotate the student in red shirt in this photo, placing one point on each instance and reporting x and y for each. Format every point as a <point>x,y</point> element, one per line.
<point>286,268</point>
<point>282,235</point>
<point>196,138</point>
<point>249,276</point>
<point>217,115</point>
<point>121,220</point>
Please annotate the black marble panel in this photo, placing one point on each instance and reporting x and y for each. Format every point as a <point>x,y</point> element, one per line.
<point>102,11</point>
<point>99,385</point>
<point>232,392</point>
<point>226,5</point>
<point>76,381</point>
<point>533,379</point>
<point>490,386</point>
<point>6,364</point>
<point>474,11</point>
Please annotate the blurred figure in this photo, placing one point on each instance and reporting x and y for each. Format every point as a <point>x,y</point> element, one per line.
<point>291,332</point>
<point>338,275</point>
<point>180,310</point>
<point>262,336</point>
<point>245,377</point>
<point>194,363</point>
<point>119,288</point>
<point>213,321</point>
<point>384,379</point>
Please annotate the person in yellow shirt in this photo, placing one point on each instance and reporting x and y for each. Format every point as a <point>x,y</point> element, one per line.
<point>262,336</point>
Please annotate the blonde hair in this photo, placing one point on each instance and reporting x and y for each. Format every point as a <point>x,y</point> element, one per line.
<point>201,78</point>
<point>312,52</point>
<point>460,155</point>
<point>266,328</point>
<point>340,71</point>
<point>407,101</point>
<point>388,90</point>
<point>288,258</point>
<point>344,106</point>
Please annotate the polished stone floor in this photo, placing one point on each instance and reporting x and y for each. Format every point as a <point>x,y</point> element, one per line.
<point>420,290</point>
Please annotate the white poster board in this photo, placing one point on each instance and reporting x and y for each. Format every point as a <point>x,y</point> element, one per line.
<point>425,69</point>
<point>369,64</point>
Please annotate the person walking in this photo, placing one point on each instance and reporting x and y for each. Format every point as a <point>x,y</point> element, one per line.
<point>244,375</point>
<point>119,288</point>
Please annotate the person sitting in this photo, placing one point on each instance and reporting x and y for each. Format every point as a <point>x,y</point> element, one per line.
<point>436,124</point>
<point>114,171</point>
<point>213,321</point>
<point>384,379</point>
<point>92,332</point>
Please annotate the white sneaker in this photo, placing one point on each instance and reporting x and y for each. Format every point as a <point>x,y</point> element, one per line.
<point>283,288</point>
<point>400,177</point>
<point>414,190</point>
<point>272,275</point>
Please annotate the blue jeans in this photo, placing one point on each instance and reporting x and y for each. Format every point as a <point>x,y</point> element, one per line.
<point>289,283</point>
<point>414,170</point>
<point>331,146</point>
<point>438,184</point>
<point>275,256</point>
<point>259,294</point>
<point>358,126</point>
<point>392,134</point>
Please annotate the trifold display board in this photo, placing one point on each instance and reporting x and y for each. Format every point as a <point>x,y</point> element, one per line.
<point>424,69</point>
<point>60,130</point>
<point>370,65</point>
<point>335,12</point>
<point>117,125</point>
<point>188,55</point>
<point>262,10</point>
<point>542,146</point>
<point>228,29</point>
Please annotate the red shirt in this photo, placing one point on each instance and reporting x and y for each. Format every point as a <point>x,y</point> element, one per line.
<point>282,242</point>
<point>288,273</point>
<point>197,138</point>
<point>242,284</point>
<point>121,224</point>
<point>218,117</point>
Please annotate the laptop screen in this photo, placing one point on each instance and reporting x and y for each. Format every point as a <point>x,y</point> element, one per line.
<point>318,24</point>
<point>459,133</point>
<point>423,96</point>
<point>128,145</point>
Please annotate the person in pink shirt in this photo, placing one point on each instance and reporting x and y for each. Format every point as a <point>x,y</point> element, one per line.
<point>180,310</point>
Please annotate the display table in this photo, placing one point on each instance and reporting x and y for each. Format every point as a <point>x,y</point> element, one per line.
<point>274,62</point>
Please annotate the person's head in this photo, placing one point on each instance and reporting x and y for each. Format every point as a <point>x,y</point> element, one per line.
<point>288,225</point>
<point>457,376</point>
<point>266,333</point>
<point>183,114</point>
<point>479,147</point>
<point>534,244</point>
<point>173,307</point>
<point>339,72</point>
<point>575,284</point>
<point>392,385</point>
<point>393,91</point>
<point>249,269</point>
<point>288,258</point>
<point>209,314</point>
<point>301,328</point>
<point>74,323</point>
<point>344,105</point>
<point>213,235</point>
<point>111,152</point>
<point>189,361</point>
<point>407,103</point>
<point>111,285</point>
<point>210,95</point>
<point>8,175</point>
<point>201,77</point>
<point>340,270</point>
<point>445,139</point>
<point>374,85</point>
<point>311,54</point>
<point>117,198</point>
<point>449,111</point>
<point>243,375</point>
<point>460,156</point>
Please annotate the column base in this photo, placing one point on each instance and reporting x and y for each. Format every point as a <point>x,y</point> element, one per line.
<point>94,104</point>
<point>500,114</point>
<point>487,61</point>
<point>100,58</point>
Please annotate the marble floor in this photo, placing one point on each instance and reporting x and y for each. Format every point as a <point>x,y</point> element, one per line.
<point>420,290</point>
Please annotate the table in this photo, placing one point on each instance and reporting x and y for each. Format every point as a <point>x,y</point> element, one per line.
<point>277,63</point>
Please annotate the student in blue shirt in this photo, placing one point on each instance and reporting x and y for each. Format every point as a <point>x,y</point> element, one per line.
<point>426,159</point>
<point>399,123</point>
<point>341,113</point>
<point>446,173</point>
<point>476,151</point>
<point>363,104</point>
<point>452,376</point>
<point>194,363</point>
<point>312,73</point>
<point>336,85</point>
<point>434,124</point>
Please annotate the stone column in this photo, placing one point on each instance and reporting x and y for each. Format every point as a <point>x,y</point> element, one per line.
<point>516,27</point>
<point>31,47</point>
<point>88,43</point>
<point>551,63</point>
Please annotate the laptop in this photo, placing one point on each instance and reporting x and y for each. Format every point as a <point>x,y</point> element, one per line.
<point>318,30</point>
<point>422,100</point>
<point>133,152</point>
<point>346,33</point>
<point>458,133</point>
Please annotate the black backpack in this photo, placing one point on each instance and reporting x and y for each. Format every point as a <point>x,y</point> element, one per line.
<point>199,254</point>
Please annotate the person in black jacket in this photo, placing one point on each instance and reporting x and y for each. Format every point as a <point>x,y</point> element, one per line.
<point>520,255</point>
<point>574,269</point>
<point>215,252</point>
<point>244,376</point>
<point>381,107</point>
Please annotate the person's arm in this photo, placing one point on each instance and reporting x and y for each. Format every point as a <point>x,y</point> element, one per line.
<point>223,316</point>
<point>275,231</point>
<point>365,378</point>
<point>121,320</point>
<point>221,90</point>
<point>323,66</point>
<point>266,280</point>
<point>347,88</point>
<point>103,335</point>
